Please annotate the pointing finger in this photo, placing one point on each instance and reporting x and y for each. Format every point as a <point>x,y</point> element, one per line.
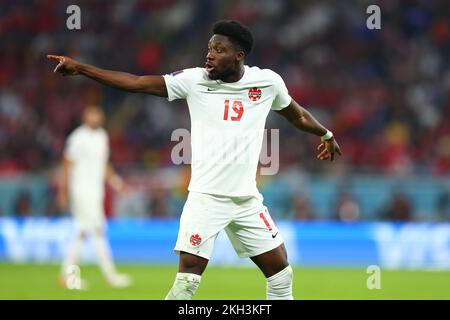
<point>51,56</point>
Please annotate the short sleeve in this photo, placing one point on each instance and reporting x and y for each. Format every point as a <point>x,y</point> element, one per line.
<point>282,98</point>
<point>179,83</point>
<point>70,150</point>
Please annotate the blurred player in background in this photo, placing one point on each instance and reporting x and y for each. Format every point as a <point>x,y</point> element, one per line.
<point>226,99</point>
<point>85,168</point>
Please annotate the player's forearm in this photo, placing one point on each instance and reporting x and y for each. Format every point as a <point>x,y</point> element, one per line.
<point>302,119</point>
<point>114,180</point>
<point>306,122</point>
<point>120,80</point>
<point>125,81</point>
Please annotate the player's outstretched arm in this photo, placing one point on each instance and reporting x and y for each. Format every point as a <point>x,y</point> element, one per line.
<point>154,85</point>
<point>304,120</point>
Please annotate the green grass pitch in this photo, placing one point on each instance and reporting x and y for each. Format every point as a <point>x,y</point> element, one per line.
<point>36,281</point>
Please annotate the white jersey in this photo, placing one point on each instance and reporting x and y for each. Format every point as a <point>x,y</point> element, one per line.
<point>227,125</point>
<point>89,151</point>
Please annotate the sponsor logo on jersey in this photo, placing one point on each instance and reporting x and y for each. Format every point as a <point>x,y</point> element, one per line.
<point>195,240</point>
<point>254,94</point>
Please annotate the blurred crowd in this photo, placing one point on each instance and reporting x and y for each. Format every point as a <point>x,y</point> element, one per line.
<point>384,93</point>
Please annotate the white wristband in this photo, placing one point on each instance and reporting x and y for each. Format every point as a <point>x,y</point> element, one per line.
<point>327,136</point>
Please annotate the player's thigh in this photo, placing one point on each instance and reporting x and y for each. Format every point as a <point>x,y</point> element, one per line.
<point>254,233</point>
<point>88,212</point>
<point>203,217</point>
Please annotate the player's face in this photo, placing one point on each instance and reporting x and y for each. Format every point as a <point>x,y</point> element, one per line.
<point>93,118</point>
<point>223,59</point>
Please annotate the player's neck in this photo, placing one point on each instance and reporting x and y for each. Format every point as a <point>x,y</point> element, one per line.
<point>91,127</point>
<point>235,76</point>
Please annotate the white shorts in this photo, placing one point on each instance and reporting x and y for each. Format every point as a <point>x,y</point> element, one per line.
<point>246,221</point>
<point>88,212</point>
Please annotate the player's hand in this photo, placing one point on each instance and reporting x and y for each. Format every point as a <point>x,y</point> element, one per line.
<point>125,189</point>
<point>122,188</point>
<point>66,66</point>
<point>328,150</point>
<point>117,183</point>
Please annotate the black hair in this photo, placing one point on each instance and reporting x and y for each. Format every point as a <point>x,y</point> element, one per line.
<point>238,34</point>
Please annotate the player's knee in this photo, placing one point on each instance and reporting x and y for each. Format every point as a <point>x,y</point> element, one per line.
<point>184,287</point>
<point>279,286</point>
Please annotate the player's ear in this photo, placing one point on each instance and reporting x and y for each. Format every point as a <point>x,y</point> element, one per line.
<point>240,55</point>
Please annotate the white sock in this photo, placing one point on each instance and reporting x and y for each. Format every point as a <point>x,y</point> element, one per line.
<point>279,286</point>
<point>184,286</point>
<point>104,257</point>
<point>72,255</point>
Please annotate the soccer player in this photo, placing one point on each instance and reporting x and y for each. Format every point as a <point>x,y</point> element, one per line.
<point>84,170</point>
<point>228,103</point>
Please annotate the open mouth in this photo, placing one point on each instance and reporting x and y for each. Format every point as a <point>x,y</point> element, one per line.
<point>209,67</point>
